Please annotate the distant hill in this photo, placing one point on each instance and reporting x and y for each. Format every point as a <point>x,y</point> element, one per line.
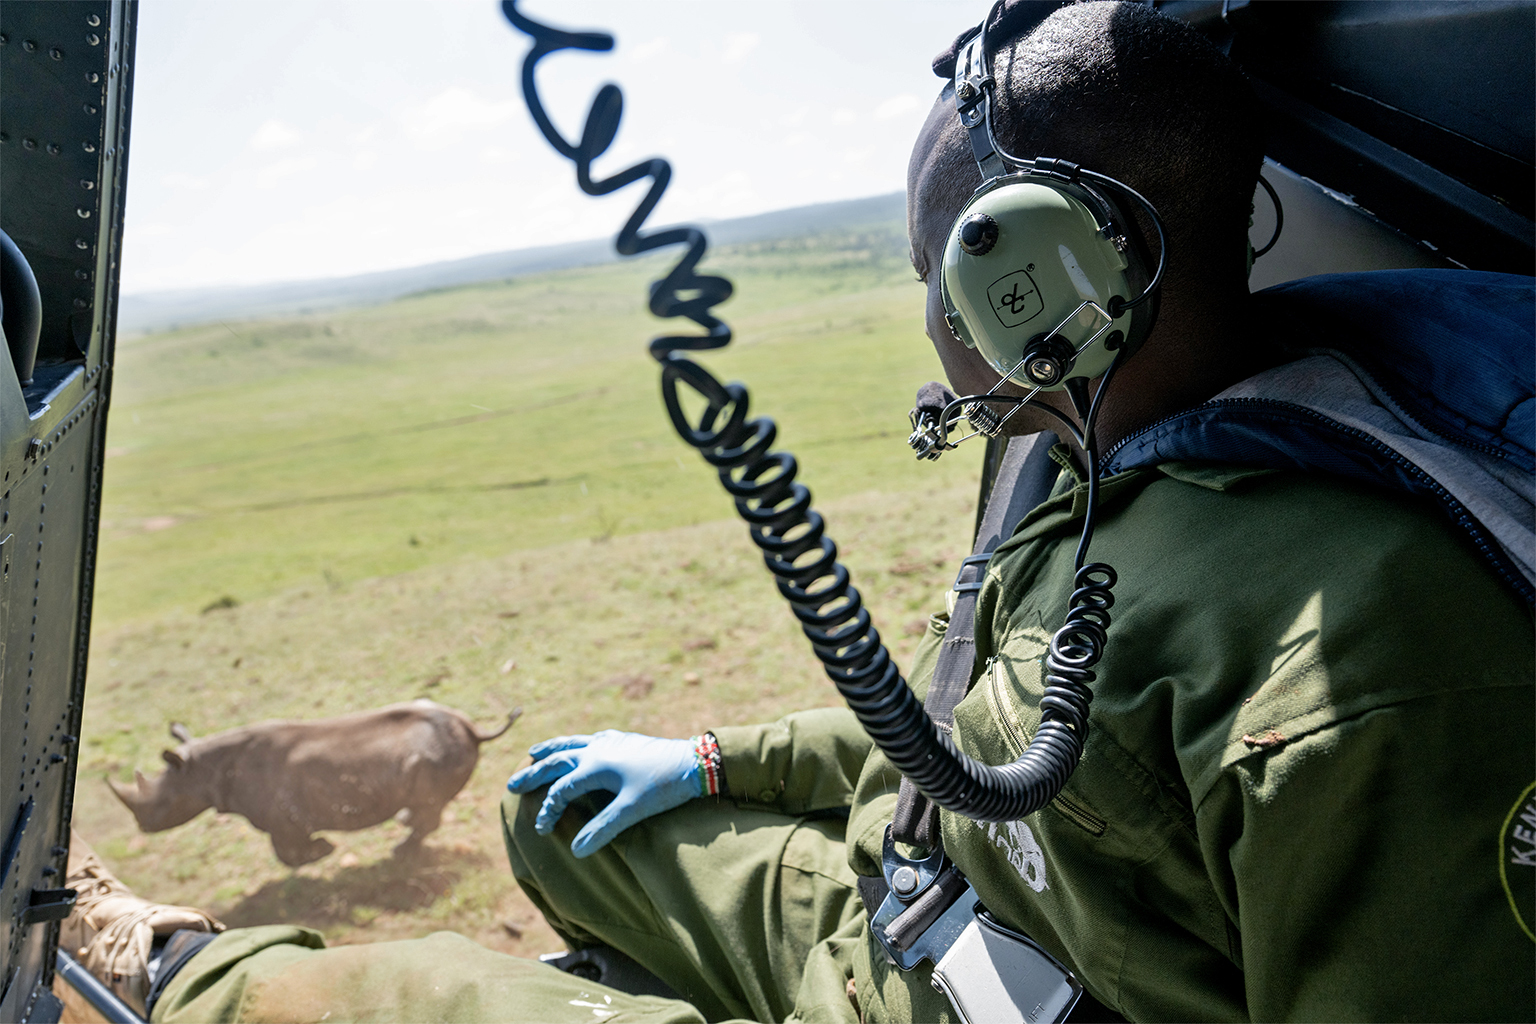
<point>150,311</point>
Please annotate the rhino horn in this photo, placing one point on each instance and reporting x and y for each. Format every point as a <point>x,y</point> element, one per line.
<point>130,796</point>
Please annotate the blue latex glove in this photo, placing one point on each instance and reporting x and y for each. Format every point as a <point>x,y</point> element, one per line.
<point>646,774</point>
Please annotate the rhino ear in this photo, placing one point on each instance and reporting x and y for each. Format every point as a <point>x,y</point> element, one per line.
<point>173,759</point>
<point>181,732</point>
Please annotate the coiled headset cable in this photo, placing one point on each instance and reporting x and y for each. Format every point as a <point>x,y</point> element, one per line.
<point>792,536</point>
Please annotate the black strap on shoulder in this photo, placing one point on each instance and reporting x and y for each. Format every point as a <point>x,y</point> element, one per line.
<point>1023,480</point>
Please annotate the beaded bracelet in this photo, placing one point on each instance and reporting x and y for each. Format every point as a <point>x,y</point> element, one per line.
<point>706,751</point>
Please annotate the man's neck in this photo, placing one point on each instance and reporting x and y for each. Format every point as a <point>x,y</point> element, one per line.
<point>1195,352</point>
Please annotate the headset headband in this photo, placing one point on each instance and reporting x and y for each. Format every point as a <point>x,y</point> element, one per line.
<point>973,102</point>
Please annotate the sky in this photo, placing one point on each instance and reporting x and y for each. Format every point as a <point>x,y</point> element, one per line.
<point>282,141</point>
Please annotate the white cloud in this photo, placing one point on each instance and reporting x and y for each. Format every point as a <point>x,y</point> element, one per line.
<point>270,175</point>
<point>738,45</point>
<point>842,115</point>
<point>897,106</point>
<point>448,115</point>
<point>731,195</point>
<point>645,51</point>
<point>181,179</point>
<point>274,134</point>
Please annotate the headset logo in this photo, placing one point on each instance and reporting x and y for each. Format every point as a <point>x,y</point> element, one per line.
<point>1015,299</point>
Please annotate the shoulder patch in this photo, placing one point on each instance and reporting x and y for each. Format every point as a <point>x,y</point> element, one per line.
<point>1517,859</point>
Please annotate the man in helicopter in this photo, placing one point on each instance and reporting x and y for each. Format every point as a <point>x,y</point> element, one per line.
<point>1279,811</point>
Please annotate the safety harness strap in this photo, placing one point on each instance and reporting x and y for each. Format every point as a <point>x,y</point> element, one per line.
<point>1023,481</point>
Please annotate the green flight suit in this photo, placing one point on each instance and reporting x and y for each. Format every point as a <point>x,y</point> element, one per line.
<point>1311,727</point>
<point>1311,744</point>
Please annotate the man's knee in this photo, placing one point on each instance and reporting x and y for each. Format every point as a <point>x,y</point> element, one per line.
<point>517,814</point>
<point>529,852</point>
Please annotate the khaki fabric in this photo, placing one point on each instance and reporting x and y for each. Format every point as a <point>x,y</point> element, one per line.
<point>1311,746</point>
<point>284,974</point>
<point>746,912</point>
<point>738,909</point>
<point>1313,716</point>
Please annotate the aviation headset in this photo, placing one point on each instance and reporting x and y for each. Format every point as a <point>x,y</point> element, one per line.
<point>1043,272</point>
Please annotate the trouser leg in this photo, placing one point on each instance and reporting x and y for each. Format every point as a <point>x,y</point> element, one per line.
<point>723,904</point>
<point>281,973</point>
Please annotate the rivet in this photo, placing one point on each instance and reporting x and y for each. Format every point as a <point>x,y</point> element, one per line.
<point>93,77</point>
<point>5,137</point>
<point>82,213</point>
<point>54,149</point>
<point>93,38</point>
<point>89,109</point>
<point>87,184</point>
<point>82,275</point>
<point>4,38</point>
<point>29,143</point>
<point>93,21</point>
<point>89,147</point>
<point>56,53</point>
<point>30,45</point>
<point>81,304</point>
<point>81,243</point>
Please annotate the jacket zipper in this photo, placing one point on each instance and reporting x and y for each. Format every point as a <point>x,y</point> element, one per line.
<point>1069,808</point>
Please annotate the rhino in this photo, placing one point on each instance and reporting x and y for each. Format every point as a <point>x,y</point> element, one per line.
<point>292,778</point>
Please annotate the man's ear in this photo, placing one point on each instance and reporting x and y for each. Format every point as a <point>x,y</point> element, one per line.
<point>173,759</point>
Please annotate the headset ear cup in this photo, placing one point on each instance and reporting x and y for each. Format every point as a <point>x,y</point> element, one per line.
<point>952,314</point>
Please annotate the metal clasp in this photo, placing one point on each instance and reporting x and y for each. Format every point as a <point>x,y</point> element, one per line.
<point>981,575</point>
<point>911,929</point>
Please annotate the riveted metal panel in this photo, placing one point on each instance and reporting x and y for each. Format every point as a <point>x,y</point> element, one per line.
<point>65,90</point>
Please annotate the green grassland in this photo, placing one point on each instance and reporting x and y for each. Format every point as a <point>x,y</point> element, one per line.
<point>474,496</point>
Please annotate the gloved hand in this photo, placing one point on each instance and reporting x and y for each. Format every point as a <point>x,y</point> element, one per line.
<point>646,774</point>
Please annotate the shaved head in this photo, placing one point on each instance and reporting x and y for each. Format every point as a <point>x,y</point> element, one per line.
<point>1127,92</point>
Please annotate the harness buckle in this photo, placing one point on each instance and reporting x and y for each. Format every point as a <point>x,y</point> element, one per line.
<point>974,585</point>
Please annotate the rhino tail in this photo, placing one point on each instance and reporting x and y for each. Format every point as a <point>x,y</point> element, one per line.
<point>485,737</point>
